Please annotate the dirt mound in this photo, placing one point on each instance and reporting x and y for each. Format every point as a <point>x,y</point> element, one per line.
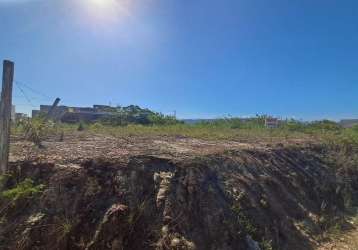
<point>239,199</point>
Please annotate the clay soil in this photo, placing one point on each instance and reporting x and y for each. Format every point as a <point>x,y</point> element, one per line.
<point>105,192</point>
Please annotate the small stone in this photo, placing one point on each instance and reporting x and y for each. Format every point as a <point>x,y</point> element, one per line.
<point>175,242</point>
<point>165,230</point>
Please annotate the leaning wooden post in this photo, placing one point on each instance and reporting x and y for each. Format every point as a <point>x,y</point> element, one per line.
<point>5,114</point>
<point>52,109</point>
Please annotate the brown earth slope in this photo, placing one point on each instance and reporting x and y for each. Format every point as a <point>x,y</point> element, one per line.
<point>172,193</point>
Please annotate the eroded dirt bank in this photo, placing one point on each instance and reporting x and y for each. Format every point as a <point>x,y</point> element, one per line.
<point>279,198</point>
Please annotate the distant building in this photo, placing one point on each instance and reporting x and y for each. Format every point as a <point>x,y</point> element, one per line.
<point>20,116</point>
<point>103,108</point>
<point>348,123</point>
<point>76,114</point>
<point>35,113</point>
<point>197,121</point>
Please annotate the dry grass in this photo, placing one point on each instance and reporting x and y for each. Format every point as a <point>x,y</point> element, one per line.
<point>225,129</point>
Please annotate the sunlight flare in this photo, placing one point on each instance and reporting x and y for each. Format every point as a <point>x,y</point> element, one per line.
<point>103,3</point>
<point>107,10</point>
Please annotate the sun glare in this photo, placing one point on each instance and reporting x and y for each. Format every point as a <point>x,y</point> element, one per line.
<point>107,10</point>
<point>103,3</point>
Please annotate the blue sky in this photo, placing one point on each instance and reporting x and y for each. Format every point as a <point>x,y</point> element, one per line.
<point>202,58</point>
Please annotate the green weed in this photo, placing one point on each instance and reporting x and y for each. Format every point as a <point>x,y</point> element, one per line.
<point>266,244</point>
<point>23,190</point>
<point>244,221</point>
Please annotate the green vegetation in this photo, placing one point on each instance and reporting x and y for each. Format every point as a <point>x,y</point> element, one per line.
<point>64,227</point>
<point>236,129</point>
<point>266,244</point>
<point>244,221</point>
<point>23,190</point>
<point>35,130</point>
<point>122,116</point>
<point>147,123</point>
<point>249,228</point>
<point>81,127</point>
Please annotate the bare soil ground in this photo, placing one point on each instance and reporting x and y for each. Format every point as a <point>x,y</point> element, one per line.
<point>345,240</point>
<point>174,192</point>
<point>81,146</point>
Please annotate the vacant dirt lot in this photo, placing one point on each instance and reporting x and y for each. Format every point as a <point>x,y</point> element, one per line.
<point>107,192</point>
<point>80,146</point>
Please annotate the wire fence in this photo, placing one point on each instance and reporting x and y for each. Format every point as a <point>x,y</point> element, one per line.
<point>27,98</point>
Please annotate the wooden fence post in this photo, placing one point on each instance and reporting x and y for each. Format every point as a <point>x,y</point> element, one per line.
<point>5,114</point>
<point>50,113</point>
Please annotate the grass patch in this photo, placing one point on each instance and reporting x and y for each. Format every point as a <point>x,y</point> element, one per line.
<point>230,130</point>
<point>64,227</point>
<point>244,221</point>
<point>266,244</point>
<point>23,190</point>
<point>249,130</point>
